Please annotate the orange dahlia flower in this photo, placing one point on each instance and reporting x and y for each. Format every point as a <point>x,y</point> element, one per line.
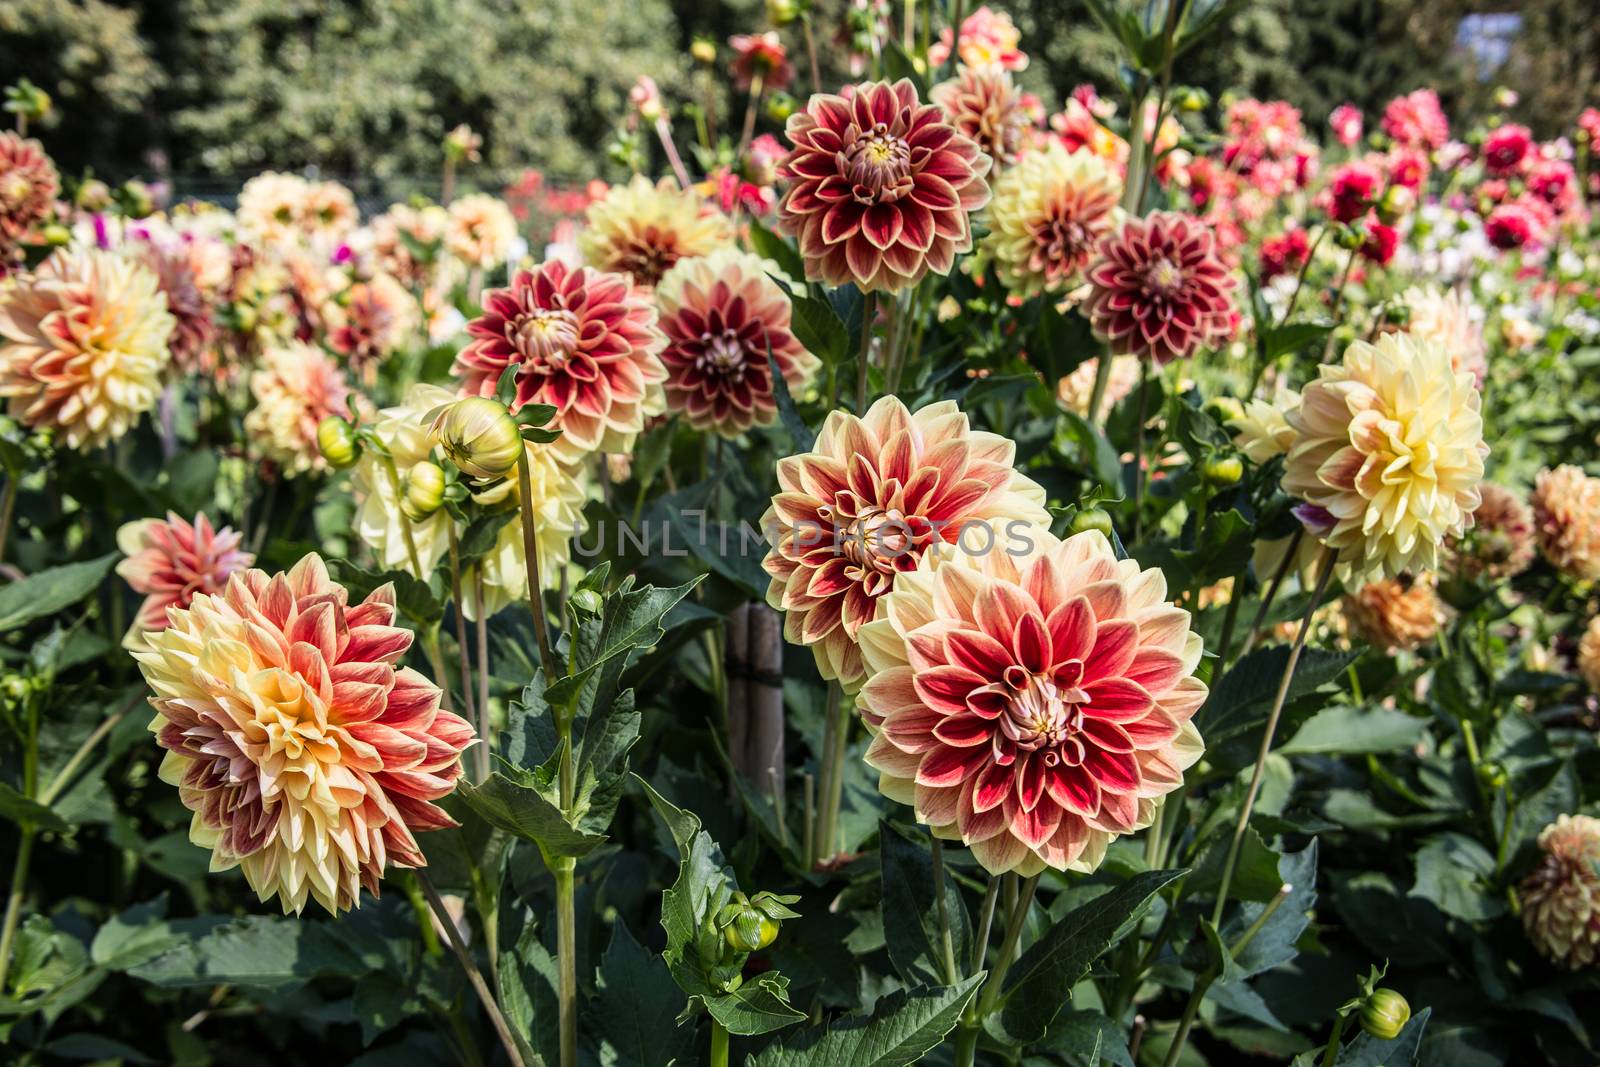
<point>172,560</point>
<point>295,387</point>
<point>881,187</point>
<point>308,756</point>
<point>866,503</point>
<point>1034,706</point>
<point>1395,613</point>
<point>583,341</point>
<point>722,315</point>
<point>1566,519</point>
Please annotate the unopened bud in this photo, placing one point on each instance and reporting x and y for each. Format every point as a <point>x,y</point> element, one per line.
<point>94,195</point>
<point>1091,519</point>
<point>1396,202</point>
<point>337,440</point>
<point>1225,408</point>
<point>782,12</point>
<point>424,491</point>
<point>56,234</point>
<point>1222,471</point>
<point>136,199</point>
<point>704,51</point>
<point>1384,1014</point>
<point>780,106</point>
<point>480,436</point>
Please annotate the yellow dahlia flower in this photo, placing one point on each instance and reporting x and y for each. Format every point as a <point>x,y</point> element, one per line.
<point>1263,430</point>
<point>404,431</point>
<point>296,387</point>
<point>1389,456</point>
<point>1589,655</point>
<point>83,343</point>
<point>1047,214</point>
<point>643,229</point>
<point>1566,519</point>
<point>1448,319</point>
<point>1561,898</point>
<point>480,230</point>
<point>307,754</point>
<point>558,500</point>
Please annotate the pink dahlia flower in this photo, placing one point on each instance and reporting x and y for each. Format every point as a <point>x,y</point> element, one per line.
<point>171,560</point>
<point>308,755</point>
<point>881,187</point>
<point>1416,120</point>
<point>867,502</point>
<point>983,103</point>
<point>583,341</point>
<point>761,55</point>
<point>1034,706</point>
<point>28,188</point>
<point>1518,223</point>
<point>1345,121</point>
<point>1159,288</point>
<point>722,316</point>
<point>988,38</point>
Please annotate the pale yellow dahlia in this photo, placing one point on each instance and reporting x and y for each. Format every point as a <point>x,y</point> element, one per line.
<point>307,754</point>
<point>984,104</point>
<point>1449,319</point>
<point>272,207</point>
<point>405,432</point>
<point>642,229</point>
<point>1075,390</point>
<point>1395,613</point>
<point>1262,430</point>
<point>296,386</point>
<point>1566,519</point>
<point>558,498</point>
<point>1389,456</point>
<point>83,343</point>
<point>865,504</point>
<point>1561,898</point>
<point>329,214</point>
<point>1033,702</point>
<point>1047,214</point>
<point>480,230</point>
<point>1589,655</point>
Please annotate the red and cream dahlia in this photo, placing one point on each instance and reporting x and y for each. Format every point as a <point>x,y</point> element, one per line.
<point>28,188</point>
<point>170,561</point>
<point>369,321</point>
<point>723,315</point>
<point>881,187</point>
<point>866,503</point>
<point>583,341</point>
<point>1566,520</point>
<point>985,105</point>
<point>641,229</point>
<point>1159,289</point>
<point>761,56</point>
<point>1047,214</point>
<point>1561,898</point>
<point>307,754</point>
<point>83,344</point>
<point>1034,705</point>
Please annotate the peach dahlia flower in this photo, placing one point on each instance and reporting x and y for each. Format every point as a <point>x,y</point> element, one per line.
<point>881,187</point>
<point>1388,456</point>
<point>1033,706</point>
<point>866,503</point>
<point>1047,214</point>
<point>171,560</point>
<point>1448,319</point>
<point>583,341</point>
<point>1561,898</point>
<point>480,230</point>
<point>295,387</point>
<point>1500,543</point>
<point>307,755</point>
<point>722,315</point>
<point>83,344</point>
<point>1589,655</point>
<point>1395,613</point>
<point>1566,520</point>
<point>643,228</point>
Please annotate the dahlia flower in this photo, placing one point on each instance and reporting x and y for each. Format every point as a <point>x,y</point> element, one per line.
<point>1158,289</point>
<point>1078,129</point>
<point>1262,430</point>
<point>1566,520</point>
<point>1345,121</point>
<point>28,188</point>
<point>1352,190</point>
<point>584,341</point>
<point>370,320</point>
<point>1500,543</point>
<point>642,229</point>
<point>723,315</point>
<point>1380,242</point>
<point>194,329</point>
<point>1506,147</point>
<point>308,757</point>
<point>1033,706</point>
<point>988,38</point>
<point>480,230</point>
<point>1416,120</point>
<point>1561,898</point>
<point>983,103</point>
<point>295,387</point>
<point>83,343</point>
<point>406,434</point>
<point>1075,390</point>
<point>760,55</point>
<point>425,226</point>
<point>866,503</point>
<point>1517,224</point>
<point>170,561</point>
<point>1446,318</point>
<point>286,209</point>
<point>1284,254</point>
<point>1047,214</point>
<point>1589,655</point>
<point>1395,613</point>
<point>881,187</point>
<point>556,500</point>
<point>1389,456</point>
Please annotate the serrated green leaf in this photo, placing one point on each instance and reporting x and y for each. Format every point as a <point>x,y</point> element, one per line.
<point>49,591</point>
<point>817,326</point>
<point>769,245</point>
<point>910,915</point>
<point>635,1008</point>
<point>1346,729</point>
<point>904,1026</point>
<point>524,809</point>
<point>1454,873</point>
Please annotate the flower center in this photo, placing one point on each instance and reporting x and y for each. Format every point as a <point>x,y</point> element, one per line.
<point>878,165</point>
<point>1164,278</point>
<point>1063,243</point>
<point>547,339</point>
<point>722,354</point>
<point>1042,713</point>
<point>649,255</point>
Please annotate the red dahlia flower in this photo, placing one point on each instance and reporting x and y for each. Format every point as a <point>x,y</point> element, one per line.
<point>1506,147</point>
<point>1159,289</point>
<point>1284,254</point>
<point>761,55</point>
<point>881,187</point>
<point>1351,191</point>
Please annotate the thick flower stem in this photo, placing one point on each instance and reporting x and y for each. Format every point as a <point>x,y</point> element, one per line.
<point>497,1018</point>
<point>1102,378</point>
<point>482,627</point>
<point>838,744</point>
<point>1181,1038</point>
<point>972,1021</point>
<point>430,645</point>
<point>567,958</point>
<point>811,53</point>
<point>1330,1055</point>
<point>481,757</point>
<point>946,943</point>
<point>530,552</point>
<point>19,885</point>
<point>8,507</point>
<point>1173,7</point>
<point>719,1044</point>
<point>980,943</point>
<point>957,16</point>
<point>1138,447</point>
<point>757,87</point>
<point>1328,557</point>
<point>869,312</point>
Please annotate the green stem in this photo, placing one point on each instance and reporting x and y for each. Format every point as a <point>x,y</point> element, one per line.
<point>869,312</point>
<point>1138,448</point>
<point>1328,557</point>
<point>8,506</point>
<point>972,1023</point>
<point>1181,1038</point>
<point>719,1044</point>
<point>567,958</point>
<point>1289,554</point>
<point>405,523</point>
<point>480,758</point>
<point>530,552</point>
<point>980,944</point>
<point>63,777</point>
<point>827,841</point>
<point>430,645</point>
<point>1331,1055</point>
<point>1102,377</point>
<point>19,885</point>
<point>482,627</point>
<point>497,1018</point>
<point>947,944</point>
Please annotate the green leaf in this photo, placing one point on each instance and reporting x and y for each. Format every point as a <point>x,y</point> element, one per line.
<point>134,936</point>
<point>1094,452</point>
<point>769,245</point>
<point>910,916</point>
<point>904,1026</point>
<point>25,811</point>
<point>254,951</point>
<point>1040,982</point>
<point>817,326</point>
<point>1238,707</point>
<point>1455,873</point>
<point>529,809</point>
<point>414,599</point>
<point>1369,1051</point>
<point>800,436</point>
<point>1085,1038</point>
<point>1276,942</point>
<point>1346,729</point>
<point>1293,337</point>
<point>1255,875</point>
<point>636,1005</point>
<point>897,64</point>
<point>49,591</point>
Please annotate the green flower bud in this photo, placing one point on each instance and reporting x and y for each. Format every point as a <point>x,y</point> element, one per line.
<point>1492,774</point>
<point>136,199</point>
<point>337,440</point>
<point>782,12</point>
<point>424,491</point>
<point>1396,202</point>
<point>704,51</point>
<point>750,931</point>
<point>1222,471</point>
<point>1225,409</point>
<point>1091,519</point>
<point>780,106</point>
<point>57,234</point>
<point>480,436</point>
<point>1384,1014</point>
